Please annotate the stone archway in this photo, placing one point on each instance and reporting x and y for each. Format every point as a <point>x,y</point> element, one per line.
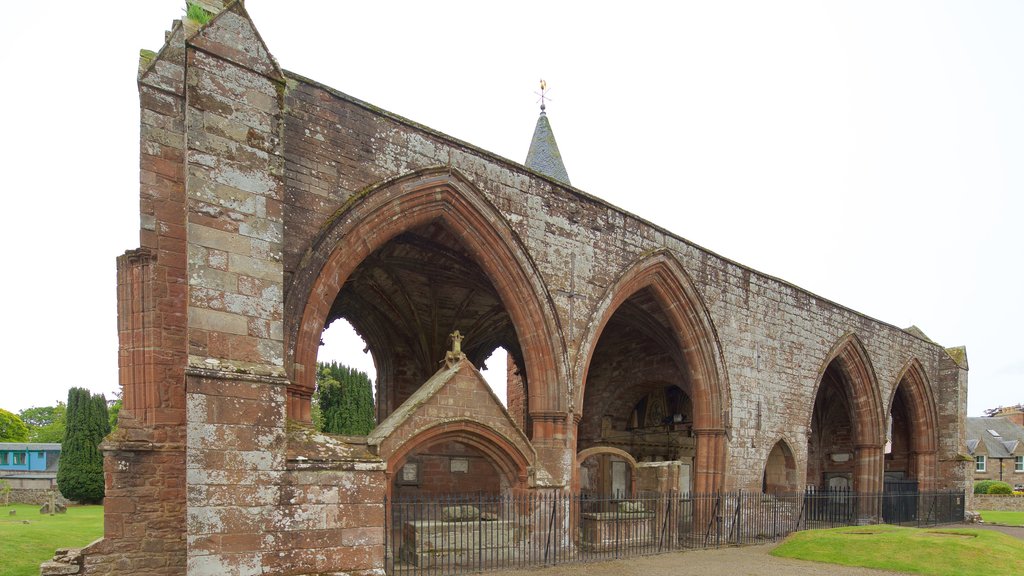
<point>439,202</point>
<point>510,464</point>
<point>846,432</point>
<point>655,300</point>
<point>780,475</point>
<point>914,434</point>
<point>603,477</point>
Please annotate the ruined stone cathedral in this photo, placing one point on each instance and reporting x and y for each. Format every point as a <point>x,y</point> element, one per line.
<point>272,205</point>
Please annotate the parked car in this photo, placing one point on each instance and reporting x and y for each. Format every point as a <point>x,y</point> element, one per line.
<point>1018,487</point>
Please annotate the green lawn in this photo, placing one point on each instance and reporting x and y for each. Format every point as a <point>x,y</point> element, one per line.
<point>938,552</point>
<point>1004,518</point>
<point>24,546</point>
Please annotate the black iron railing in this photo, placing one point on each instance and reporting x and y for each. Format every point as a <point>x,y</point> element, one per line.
<point>454,534</point>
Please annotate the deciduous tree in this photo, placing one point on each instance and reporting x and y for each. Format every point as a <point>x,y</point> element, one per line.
<point>45,423</point>
<point>12,429</point>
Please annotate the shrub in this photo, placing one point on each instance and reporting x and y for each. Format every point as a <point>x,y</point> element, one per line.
<point>1000,488</point>
<point>982,486</point>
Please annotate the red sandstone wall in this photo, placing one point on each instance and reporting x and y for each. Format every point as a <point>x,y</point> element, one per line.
<point>775,338</point>
<point>268,163</point>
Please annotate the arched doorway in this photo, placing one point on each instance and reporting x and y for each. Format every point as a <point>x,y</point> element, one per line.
<point>910,455</point>
<point>780,476</point>
<point>845,440</point>
<point>407,264</point>
<point>606,472</point>
<point>653,378</point>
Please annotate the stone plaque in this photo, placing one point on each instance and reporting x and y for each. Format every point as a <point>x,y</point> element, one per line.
<point>410,473</point>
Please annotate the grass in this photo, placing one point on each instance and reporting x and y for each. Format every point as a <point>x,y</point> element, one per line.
<point>23,546</point>
<point>1004,518</point>
<point>933,552</point>
<point>197,14</point>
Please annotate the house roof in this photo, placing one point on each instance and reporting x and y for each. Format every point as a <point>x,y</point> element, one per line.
<point>30,446</point>
<point>995,436</point>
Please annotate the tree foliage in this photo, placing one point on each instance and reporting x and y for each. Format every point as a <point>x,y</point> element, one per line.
<point>343,401</point>
<point>80,475</point>
<point>12,429</point>
<point>113,409</point>
<point>45,423</point>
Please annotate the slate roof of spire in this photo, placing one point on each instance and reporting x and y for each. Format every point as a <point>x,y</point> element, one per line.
<point>544,156</point>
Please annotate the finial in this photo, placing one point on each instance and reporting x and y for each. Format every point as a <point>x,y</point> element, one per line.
<point>543,95</point>
<point>455,354</point>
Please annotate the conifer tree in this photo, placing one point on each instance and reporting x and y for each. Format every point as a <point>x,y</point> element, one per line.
<point>80,474</point>
<point>344,396</point>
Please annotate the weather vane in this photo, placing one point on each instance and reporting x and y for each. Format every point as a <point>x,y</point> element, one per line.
<point>543,94</point>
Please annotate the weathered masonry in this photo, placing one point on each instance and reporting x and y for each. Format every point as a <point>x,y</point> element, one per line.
<point>272,205</point>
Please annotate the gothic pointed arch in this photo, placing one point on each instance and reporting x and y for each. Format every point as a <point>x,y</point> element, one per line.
<point>913,399</point>
<point>692,324</point>
<point>691,334</point>
<point>780,469</point>
<point>851,360</point>
<point>846,422</point>
<point>371,219</point>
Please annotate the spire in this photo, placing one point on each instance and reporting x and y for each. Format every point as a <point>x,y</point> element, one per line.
<point>543,156</point>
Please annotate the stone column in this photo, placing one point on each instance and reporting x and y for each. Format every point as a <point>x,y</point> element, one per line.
<point>709,475</point>
<point>868,474</point>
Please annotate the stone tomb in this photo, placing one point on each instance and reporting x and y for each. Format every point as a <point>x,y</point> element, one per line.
<point>464,536</point>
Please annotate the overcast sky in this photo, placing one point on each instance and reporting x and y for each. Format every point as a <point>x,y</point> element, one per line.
<point>870,152</point>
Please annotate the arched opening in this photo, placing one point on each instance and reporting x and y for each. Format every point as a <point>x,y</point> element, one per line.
<point>494,369</point>
<point>845,440</point>
<point>453,471</point>
<point>831,443</point>
<point>462,456</point>
<point>407,264</point>
<point>606,474</point>
<point>912,437</point>
<point>638,392</point>
<point>652,385</point>
<point>408,296</point>
<point>344,360</point>
<point>780,476</point>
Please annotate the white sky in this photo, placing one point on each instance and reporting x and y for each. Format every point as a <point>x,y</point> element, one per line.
<point>870,152</point>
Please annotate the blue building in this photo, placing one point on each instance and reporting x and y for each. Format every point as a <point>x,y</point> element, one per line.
<point>29,468</point>
<point>28,457</point>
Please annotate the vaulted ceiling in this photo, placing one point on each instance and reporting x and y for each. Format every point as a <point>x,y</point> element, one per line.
<point>407,297</point>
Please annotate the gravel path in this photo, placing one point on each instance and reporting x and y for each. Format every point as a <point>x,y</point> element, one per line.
<point>744,561</point>
<point>1015,531</point>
